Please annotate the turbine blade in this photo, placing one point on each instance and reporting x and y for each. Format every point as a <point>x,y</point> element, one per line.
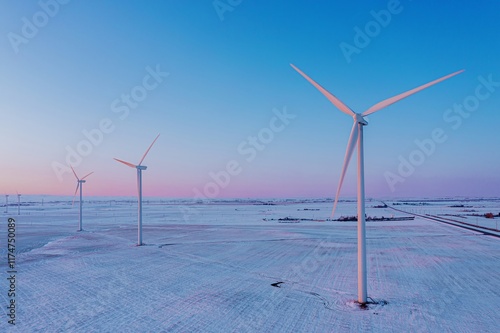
<point>353,139</point>
<point>399,97</point>
<point>337,102</point>
<point>126,163</point>
<point>87,175</point>
<point>147,151</point>
<point>74,195</point>
<point>74,172</point>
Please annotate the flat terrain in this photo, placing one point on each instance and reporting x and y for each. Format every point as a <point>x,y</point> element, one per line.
<point>211,268</point>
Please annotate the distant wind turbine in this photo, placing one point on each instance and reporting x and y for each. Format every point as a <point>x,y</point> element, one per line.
<point>79,185</point>
<point>6,204</point>
<point>18,203</point>
<point>356,137</point>
<point>139,168</point>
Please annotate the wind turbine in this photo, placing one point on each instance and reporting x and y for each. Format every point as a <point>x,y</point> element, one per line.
<point>6,204</point>
<point>139,168</point>
<point>18,203</point>
<point>356,138</point>
<point>79,185</point>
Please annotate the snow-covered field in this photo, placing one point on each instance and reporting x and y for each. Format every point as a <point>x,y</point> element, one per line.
<point>210,268</point>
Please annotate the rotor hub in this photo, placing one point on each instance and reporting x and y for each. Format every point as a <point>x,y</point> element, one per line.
<point>358,118</point>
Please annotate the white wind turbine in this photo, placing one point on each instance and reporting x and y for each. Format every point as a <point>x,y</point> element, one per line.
<point>139,168</point>
<point>356,137</point>
<point>79,184</point>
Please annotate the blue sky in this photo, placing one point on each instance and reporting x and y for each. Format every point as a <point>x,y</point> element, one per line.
<point>225,78</point>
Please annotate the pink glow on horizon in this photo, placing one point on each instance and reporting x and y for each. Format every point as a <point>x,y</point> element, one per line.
<point>125,185</point>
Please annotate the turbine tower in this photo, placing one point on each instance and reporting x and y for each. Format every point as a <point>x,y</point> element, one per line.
<point>356,138</point>
<point>79,184</point>
<point>139,168</point>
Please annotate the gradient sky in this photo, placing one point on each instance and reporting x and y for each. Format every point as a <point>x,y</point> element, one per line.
<point>227,72</point>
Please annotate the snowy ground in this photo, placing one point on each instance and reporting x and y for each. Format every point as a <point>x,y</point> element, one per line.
<point>210,268</point>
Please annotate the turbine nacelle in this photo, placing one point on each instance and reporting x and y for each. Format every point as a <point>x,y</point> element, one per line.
<point>358,119</point>
<point>141,167</point>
